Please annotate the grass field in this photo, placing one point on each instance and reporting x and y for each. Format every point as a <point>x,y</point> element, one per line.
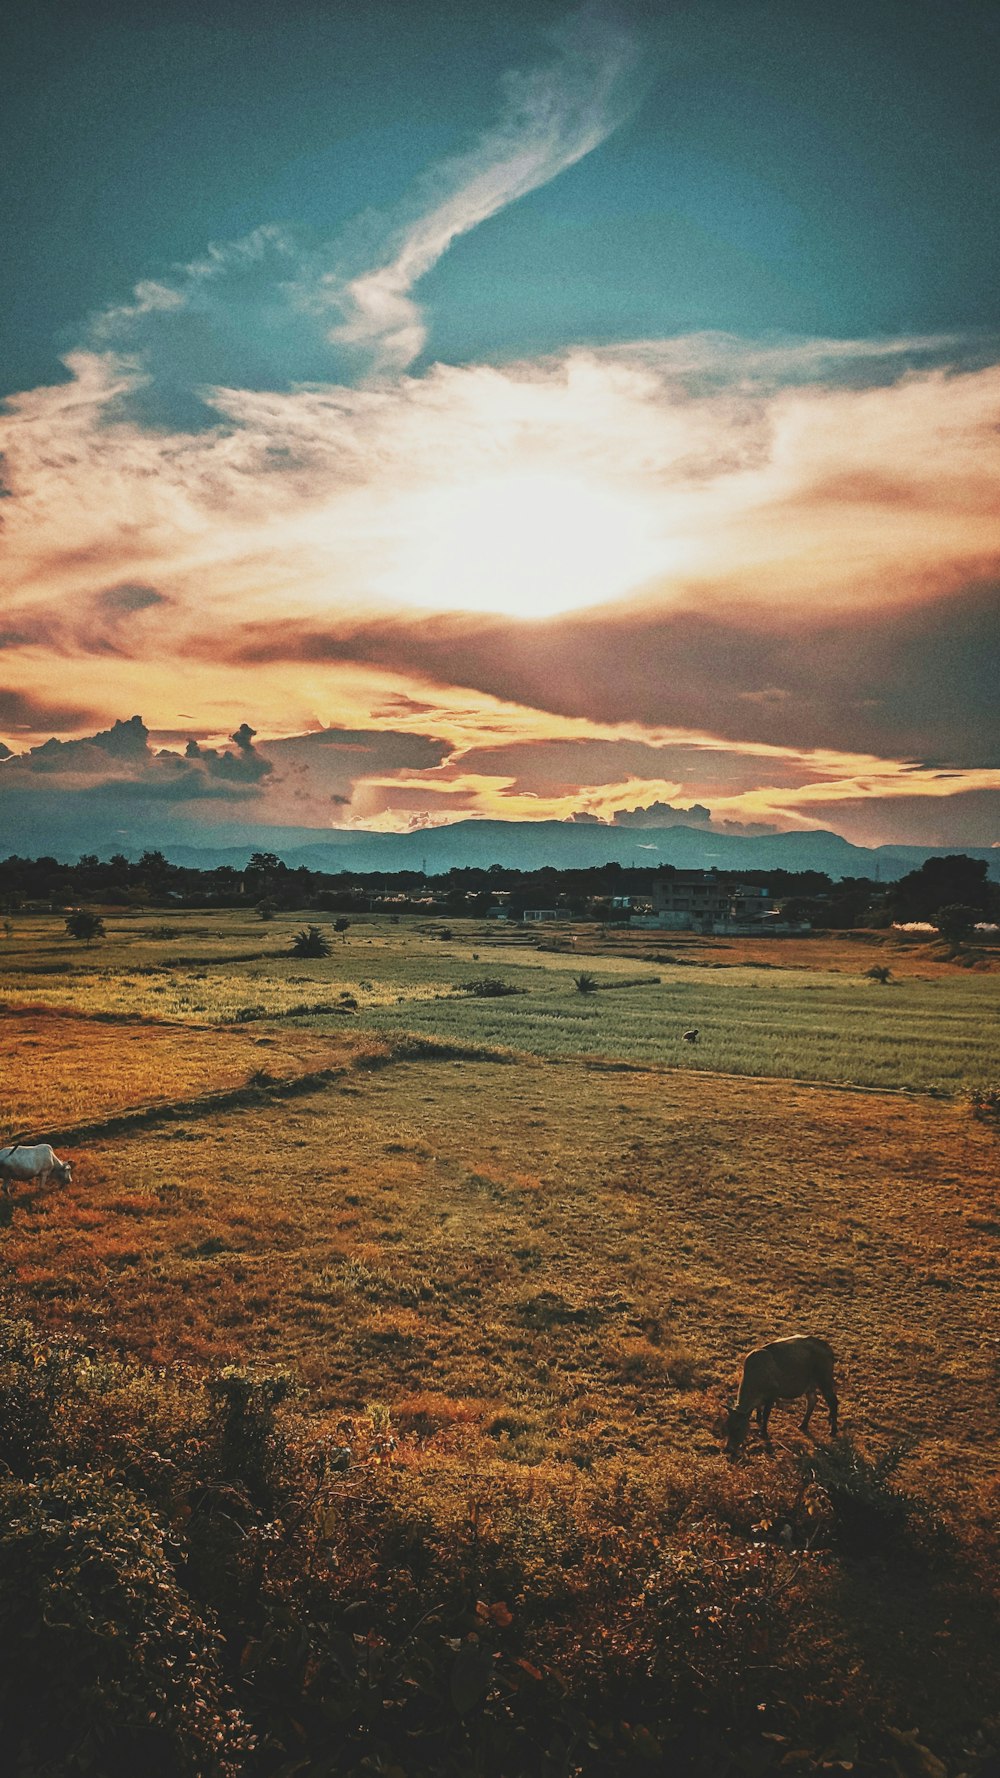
<point>540,1252</point>
<point>533,1237</point>
<point>933,1028</point>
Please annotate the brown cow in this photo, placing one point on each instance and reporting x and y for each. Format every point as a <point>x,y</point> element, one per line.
<point>799,1365</point>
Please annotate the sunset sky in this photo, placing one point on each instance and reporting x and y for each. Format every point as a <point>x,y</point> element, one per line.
<point>417,411</point>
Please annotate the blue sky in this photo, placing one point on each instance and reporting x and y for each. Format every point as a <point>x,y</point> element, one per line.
<point>618,385</point>
<point>803,169</point>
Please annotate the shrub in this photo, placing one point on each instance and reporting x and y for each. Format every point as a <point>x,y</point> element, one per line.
<point>487,987</point>
<point>82,924</point>
<point>585,983</point>
<point>878,973</point>
<point>957,922</point>
<point>867,1513</point>
<point>107,1667</point>
<point>984,1104</point>
<point>267,908</point>
<point>310,942</point>
<point>248,1441</point>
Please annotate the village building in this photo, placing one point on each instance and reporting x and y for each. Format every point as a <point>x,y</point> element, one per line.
<point>704,901</point>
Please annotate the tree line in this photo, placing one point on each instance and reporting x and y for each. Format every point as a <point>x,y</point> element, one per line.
<point>954,886</point>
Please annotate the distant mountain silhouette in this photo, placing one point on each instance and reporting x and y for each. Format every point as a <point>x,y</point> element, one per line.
<point>531,845</point>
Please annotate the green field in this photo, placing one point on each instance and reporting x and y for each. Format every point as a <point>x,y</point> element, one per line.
<point>933,1034</point>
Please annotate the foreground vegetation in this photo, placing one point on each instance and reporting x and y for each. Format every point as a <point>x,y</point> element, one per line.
<point>198,1585</point>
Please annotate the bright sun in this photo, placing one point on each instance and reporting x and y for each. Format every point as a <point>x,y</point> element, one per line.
<point>526,544</point>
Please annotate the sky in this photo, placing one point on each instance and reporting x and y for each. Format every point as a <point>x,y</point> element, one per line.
<point>422,412</point>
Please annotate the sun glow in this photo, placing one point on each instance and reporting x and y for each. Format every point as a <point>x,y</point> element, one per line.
<point>526,544</point>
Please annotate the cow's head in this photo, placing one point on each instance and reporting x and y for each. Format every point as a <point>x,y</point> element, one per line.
<point>735,1423</point>
<point>63,1172</point>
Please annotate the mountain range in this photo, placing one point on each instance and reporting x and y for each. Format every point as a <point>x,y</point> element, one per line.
<point>564,845</point>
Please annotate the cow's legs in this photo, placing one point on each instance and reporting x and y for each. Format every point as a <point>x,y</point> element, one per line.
<point>807,1416</point>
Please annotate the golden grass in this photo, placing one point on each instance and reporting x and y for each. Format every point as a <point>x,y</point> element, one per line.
<point>547,1261</point>
<point>62,1069</point>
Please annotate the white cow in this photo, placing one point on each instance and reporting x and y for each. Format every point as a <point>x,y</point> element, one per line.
<point>33,1166</point>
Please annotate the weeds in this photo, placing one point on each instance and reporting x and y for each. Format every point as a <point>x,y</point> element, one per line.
<point>984,1104</point>
<point>242,1596</point>
<point>488,987</point>
<point>867,1512</point>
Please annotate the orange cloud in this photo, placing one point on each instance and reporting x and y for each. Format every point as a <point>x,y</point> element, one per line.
<point>797,567</point>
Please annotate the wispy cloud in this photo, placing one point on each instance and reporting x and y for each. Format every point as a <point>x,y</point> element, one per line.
<point>551,118</point>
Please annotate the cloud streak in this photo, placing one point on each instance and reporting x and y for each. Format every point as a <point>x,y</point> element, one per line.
<point>551,118</point>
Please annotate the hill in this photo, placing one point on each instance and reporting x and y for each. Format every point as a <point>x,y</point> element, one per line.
<point>563,845</point>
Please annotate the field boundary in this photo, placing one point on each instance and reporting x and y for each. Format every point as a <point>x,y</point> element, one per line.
<point>252,1092</point>
<point>40,1009</point>
<point>610,1065</point>
<point>263,1088</point>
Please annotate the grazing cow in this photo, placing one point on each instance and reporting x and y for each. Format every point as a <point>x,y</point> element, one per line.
<point>33,1166</point>
<point>690,1036</point>
<point>800,1365</point>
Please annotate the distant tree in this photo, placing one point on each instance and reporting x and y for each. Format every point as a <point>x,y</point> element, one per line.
<point>953,881</point>
<point>82,924</point>
<point>341,925</point>
<point>267,908</point>
<point>956,923</point>
<point>310,942</point>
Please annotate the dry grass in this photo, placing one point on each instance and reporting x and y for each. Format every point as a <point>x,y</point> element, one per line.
<point>568,1262</point>
<point>541,1275</point>
<point>64,1068</point>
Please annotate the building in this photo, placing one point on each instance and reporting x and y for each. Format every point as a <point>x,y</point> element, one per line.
<point>545,914</point>
<point>703,901</point>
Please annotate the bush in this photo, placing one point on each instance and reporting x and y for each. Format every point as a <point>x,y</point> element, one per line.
<point>310,942</point>
<point>984,1103</point>
<point>82,924</point>
<point>487,987</point>
<point>878,973</point>
<point>867,1513</point>
<point>108,1668</point>
<point>585,983</point>
<point>957,922</point>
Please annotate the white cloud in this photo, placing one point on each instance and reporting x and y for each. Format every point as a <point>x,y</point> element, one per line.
<point>552,117</point>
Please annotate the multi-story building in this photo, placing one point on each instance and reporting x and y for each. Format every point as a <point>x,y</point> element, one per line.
<point>703,901</point>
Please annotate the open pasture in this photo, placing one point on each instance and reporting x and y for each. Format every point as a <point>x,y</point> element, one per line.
<point>935,1028</point>
<point>543,1259</point>
<point>64,1068</point>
